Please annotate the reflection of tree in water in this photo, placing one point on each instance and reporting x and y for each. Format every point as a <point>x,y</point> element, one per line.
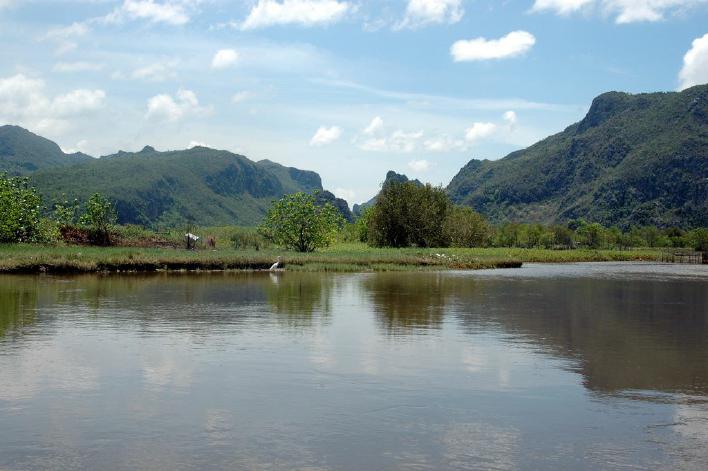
<point>300,299</point>
<point>18,303</point>
<point>621,334</point>
<point>405,302</point>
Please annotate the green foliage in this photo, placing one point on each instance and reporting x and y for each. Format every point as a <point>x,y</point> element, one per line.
<point>248,238</point>
<point>406,214</point>
<point>296,222</point>
<point>698,239</point>
<point>100,217</point>
<point>19,210</point>
<point>66,213</point>
<point>466,228</point>
<point>634,160</point>
<point>362,224</point>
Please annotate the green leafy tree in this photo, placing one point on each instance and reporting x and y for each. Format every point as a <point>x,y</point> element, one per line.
<point>66,212</point>
<point>296,222</point>
<point>464,227</point>
<point>407,214</point>
<point>100,217</point>
<point>20,206</point>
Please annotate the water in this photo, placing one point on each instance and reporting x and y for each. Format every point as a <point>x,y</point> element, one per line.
<point>585,366</point>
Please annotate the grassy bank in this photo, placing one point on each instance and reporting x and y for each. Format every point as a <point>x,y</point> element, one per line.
<point>24,258</point>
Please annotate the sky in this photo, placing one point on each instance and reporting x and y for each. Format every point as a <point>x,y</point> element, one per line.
<point>347,88</point>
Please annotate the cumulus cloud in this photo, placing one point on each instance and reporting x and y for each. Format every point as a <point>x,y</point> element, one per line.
<point>224,58</point>
<point>171,12</point>
<point>513,44</point>
<point>24,101</point>
<point>193,144</point>
<point>510,118</point>
<point>325,135</point>
<point>158,71</point>
<point>695,64</point>
<point>562,7</point>
<point>375,126</point>
<point>623,11</point>
<point>65,37</point>
<point>398,141</point>
<point>166,108</point>
<point>479,131</point>
<point>303,12</point>
<point>419,166</point>
<point>444,143</point>
<point>426,12</point>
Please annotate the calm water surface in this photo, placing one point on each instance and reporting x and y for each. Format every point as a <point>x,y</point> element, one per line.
<point>587,366</point>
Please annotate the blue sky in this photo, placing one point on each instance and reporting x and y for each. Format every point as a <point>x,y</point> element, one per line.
<point>349,89</point>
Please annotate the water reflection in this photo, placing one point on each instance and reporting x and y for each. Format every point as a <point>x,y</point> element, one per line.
<point>366,371</point>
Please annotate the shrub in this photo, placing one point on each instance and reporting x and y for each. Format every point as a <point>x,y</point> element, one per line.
<point>407,214</point>
<point>100,217</point>
<point>466,228</point>
<point>19,210</point>
<point>297,222</point>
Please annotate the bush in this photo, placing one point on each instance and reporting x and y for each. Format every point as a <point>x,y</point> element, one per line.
<point>297,222</point>
<point>20,206</point>
<point>100,217</point>
<point>248,239</point>
<point>407,214</point>
<point>466,228</point>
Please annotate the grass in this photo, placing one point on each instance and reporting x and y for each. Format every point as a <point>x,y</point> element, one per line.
<point>343,257</point>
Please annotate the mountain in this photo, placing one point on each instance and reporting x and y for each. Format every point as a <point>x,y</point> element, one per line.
<point>391,176</point>
<point>199,185</point>
<point>22,152</point>
<point>634,159</point>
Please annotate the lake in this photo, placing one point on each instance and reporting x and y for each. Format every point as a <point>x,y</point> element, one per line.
<point>578,366</point>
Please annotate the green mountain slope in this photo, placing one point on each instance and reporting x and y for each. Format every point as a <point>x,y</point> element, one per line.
<point>200,185</point>
<point>22,152</point>
<point>634,159</point>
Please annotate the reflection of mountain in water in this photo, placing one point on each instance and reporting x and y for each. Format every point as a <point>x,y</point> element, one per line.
<point>624,334</point>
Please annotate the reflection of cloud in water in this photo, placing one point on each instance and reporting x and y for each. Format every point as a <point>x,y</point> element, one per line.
<point>46,367</point>
<point>481,446</point>
<point>691,424</point>
<point>474,359</point>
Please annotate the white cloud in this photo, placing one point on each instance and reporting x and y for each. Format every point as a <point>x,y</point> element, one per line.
<point>375,126</point>
<point>5,3</point>
<point>511,118</point>
<point>479,131</point>
<point>172,12</point>
<point>303,12</point>
<point>23,101</point>
<point>695,64</point>
<point>325,135</point>
<point>425,12</point>
<point>399,141</point>
<point>241,96</point>
<point>224,58</point>
<point>419,166</point>
<point>193,144</point>
<point>171,109</point>
<point>80,66</point>
<point>513,44</point>
<point>65,36</point>
<point>624,11</point>
<point>444,143</point>
<point>562,7</point>
<point>159,71</point>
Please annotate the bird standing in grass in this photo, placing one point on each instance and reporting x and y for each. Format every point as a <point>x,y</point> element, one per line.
<point>275,265</point>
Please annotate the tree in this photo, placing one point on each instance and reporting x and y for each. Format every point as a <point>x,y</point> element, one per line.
<point>19,210</point>
<point>296,222</point>
<point>466,228</point>
<point>100,217</point>
<point>407,214</point>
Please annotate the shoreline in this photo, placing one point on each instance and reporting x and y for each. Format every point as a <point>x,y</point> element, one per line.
<point>35,259</point>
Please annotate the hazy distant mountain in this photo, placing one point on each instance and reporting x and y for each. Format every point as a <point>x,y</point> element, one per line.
<point>391,176</point>
<point>634,159</point>
<point>22,152</point>
<point>151,188</point>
